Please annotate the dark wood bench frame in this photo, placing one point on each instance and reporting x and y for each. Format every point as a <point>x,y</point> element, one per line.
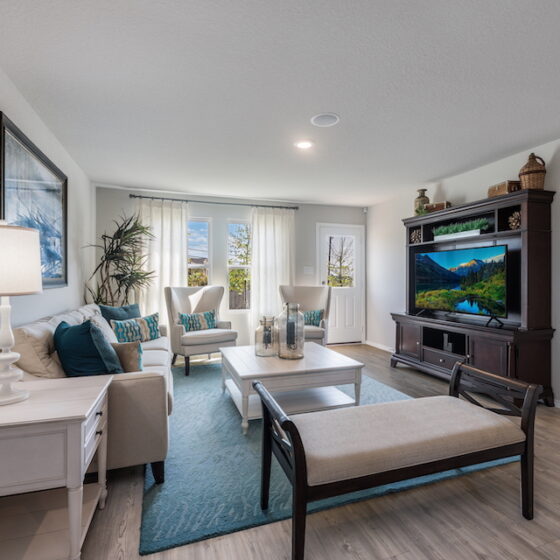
<point>280,437</point>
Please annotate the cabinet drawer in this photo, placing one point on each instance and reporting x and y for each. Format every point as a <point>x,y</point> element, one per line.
<point>91,443</point>
<point>97,417</point>
<point>440,359</point>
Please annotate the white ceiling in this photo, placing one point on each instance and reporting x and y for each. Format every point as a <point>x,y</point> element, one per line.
<point>208,97</point>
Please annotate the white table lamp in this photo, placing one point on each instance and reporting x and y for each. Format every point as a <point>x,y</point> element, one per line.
<point>20,274</point>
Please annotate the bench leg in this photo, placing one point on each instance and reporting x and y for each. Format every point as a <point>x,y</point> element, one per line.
<point>299,512</point>
<point>527,476</point>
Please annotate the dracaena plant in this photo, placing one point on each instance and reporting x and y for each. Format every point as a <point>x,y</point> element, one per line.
<point>121,273</point>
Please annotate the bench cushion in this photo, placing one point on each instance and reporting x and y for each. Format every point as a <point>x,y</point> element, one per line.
<point>352,442</point>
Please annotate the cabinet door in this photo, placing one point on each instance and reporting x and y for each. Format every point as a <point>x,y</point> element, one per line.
<point>488,354</point>
<point>409,339</point>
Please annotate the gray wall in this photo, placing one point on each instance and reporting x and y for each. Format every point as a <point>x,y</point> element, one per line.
<point>81,209</point>
<point>387,251</point>
<point>113,202</point>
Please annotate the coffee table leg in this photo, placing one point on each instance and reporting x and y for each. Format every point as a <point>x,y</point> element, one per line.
<point>358,387</point>
<point>245,413</point>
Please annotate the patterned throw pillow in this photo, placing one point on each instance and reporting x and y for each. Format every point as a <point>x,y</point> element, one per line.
<point>198,321</point>
<point>137,330</point>
<point>313,318</point>
<point>130,355</point>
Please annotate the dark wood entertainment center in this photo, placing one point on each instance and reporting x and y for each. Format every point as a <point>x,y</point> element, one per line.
<point>433,341</point>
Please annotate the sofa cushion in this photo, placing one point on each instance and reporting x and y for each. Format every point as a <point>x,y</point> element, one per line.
<point>159,358</point>
<point>312,333</point>
<point>358,441</point>
<point>34,342</point>
<point>130,355</point>
<point>100,322</point>
<point>208,336</point>
<point>120,313</point>
<point>88,311</point>
<point>140,329</point>
<point>83,350</point>
<point>161,343</point>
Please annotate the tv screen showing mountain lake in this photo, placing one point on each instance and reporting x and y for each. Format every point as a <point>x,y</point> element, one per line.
<point>463,281</point>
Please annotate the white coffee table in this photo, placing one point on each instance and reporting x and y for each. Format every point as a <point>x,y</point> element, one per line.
<point>304,385</point>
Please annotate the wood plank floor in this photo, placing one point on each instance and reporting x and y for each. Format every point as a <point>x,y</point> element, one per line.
<point>473,517</point>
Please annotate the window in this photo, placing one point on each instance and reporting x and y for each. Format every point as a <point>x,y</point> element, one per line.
<point>199,251</point>
<point>341,261</point>
<point>239,265</point>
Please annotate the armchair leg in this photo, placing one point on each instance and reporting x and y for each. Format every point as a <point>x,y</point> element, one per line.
<point>158,470</point>
<point>187,365</point>
<point>174,359</point>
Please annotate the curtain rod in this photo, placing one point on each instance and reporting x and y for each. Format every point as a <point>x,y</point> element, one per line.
<point>213,202</point>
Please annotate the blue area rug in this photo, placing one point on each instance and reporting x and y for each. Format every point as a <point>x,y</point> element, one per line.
<point>212,478</point>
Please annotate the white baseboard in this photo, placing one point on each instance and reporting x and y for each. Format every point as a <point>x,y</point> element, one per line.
<point>380,346</point>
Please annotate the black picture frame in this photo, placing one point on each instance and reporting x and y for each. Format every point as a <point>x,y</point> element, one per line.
<point>35,194</point>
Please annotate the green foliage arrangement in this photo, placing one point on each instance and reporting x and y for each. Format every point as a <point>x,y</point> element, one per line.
<point>121,270</point>
<point>480,223</point>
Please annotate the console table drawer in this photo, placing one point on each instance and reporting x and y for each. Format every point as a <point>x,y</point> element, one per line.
<point>440,359</point>
<point>95,419</point>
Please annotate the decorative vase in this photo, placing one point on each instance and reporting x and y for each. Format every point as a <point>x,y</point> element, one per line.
<point>532,173</point>
<point>290,325</point>
<point>266,338</point>
<point>420,201</point>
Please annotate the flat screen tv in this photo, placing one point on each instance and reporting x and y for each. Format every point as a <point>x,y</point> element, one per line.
<point>463,281</point>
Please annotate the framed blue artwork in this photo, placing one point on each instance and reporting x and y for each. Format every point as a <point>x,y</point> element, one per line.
<point>33,194</point>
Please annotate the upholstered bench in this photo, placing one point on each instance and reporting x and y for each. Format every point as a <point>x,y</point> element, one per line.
<point>329,453</point>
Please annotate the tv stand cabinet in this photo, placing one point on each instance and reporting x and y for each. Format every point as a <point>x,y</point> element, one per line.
<point>433,341</point>
<point>435,345</point>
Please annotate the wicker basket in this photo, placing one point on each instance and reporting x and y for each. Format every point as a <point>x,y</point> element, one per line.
<point>532,173</point>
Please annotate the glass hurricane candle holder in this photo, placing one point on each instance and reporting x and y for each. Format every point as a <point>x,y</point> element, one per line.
<point>290,325</point>
<point>266,338</point>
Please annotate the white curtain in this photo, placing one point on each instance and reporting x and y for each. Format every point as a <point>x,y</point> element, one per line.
<point>272,231</point>
<point>167,251</point>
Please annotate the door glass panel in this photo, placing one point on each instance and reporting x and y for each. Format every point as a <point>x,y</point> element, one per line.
<point>341,261</point>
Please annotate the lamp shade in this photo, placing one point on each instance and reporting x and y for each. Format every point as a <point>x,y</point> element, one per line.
<point>20,261</point>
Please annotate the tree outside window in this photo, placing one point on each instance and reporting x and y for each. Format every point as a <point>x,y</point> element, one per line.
<point>198,252</point>
<point>239,265</point>
<point>341,261</point>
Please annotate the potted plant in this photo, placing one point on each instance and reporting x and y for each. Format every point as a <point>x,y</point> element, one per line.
<point>460,229</point>
<point>121,274</point>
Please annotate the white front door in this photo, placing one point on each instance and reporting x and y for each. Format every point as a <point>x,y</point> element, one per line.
<point>341,261</point>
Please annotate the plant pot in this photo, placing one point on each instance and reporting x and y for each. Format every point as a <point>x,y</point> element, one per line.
<point>460,235</point>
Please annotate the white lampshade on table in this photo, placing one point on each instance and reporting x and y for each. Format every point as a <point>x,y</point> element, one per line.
<point>20,274</point>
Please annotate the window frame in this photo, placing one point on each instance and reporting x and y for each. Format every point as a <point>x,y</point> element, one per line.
<point>230,266</point>
<point>210,251</point>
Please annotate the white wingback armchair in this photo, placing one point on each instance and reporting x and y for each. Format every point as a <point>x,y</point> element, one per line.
<point>311,298</point>
<point>196,300</point>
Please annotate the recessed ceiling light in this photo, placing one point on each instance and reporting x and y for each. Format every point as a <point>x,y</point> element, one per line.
<point>324,120</point>
<point>304,144</point>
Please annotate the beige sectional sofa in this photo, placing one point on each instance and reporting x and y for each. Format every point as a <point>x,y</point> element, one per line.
<point>139,402</point>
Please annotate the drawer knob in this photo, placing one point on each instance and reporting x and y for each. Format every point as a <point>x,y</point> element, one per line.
<point>100,413</point>
<point>99,432</point>
<point>441,360</point>
<point>417,343</point>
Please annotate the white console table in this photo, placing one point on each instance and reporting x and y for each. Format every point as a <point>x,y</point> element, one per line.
<point>46,446</point>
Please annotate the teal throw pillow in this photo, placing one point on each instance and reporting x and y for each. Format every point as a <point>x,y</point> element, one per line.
<point>137,330</point>
<point>198,321</point>
<point>313,318</point>
<point>84,350</point>
<point>123,313</point>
